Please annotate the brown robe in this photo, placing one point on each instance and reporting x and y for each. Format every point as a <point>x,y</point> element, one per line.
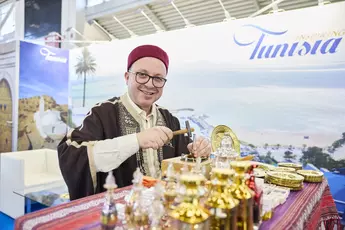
<point>108,120</point>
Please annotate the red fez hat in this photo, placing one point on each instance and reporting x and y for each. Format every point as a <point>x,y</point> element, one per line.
<point>148,51</point>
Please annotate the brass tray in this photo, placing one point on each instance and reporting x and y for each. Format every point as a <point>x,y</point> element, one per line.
<point>311,175</point>
<point>217,136</point>
<point>285,176</point>
<point>284,169</point>
<point>288,184</point>
<point>263,166</point>
<point>290,165</point>
<point>286,179</point>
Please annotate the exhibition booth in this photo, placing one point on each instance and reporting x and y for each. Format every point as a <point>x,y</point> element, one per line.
<point>278,81</point>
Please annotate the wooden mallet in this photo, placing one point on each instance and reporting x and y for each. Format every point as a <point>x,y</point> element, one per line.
<point>183,131</point>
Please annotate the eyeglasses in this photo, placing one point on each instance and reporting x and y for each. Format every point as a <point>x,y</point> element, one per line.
<point>143,78</point>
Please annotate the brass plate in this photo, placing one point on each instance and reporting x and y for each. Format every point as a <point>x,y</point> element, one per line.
<point>284,169</point>
<point>217,136</point>
<point>285,176</point>
<point>264,166</point>
<point>290,165</point>
<point>285,179</point>
<point>311,175</point>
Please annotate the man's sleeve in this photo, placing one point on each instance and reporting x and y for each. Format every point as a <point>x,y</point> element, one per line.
<point>83,152</point>
<point>76,157</point>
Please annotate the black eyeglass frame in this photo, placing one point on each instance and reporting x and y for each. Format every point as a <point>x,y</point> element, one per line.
<point>150,77</point>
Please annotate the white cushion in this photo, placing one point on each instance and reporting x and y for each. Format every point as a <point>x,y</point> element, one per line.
<point>40,179</point>
<point>28,171</point>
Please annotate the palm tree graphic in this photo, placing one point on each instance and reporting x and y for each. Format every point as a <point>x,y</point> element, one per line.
<point>85,66</point>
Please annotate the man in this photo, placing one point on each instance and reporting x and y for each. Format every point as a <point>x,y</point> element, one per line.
<point>126,132</point>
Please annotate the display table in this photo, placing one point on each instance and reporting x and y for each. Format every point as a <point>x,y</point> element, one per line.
<point>306,209</point>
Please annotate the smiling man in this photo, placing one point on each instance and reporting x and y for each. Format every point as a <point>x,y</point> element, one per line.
<point>126,132</point>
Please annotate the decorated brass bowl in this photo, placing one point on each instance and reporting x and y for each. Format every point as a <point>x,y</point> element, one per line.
<point>217,137</point>
<point>240,166</point>
<point>286,179</point>
<point>263,166</point>
<point>290,165</point>
<point>311,175</point>
<point>284,169</point>
<point>191,179</point>
<point>222,172</point>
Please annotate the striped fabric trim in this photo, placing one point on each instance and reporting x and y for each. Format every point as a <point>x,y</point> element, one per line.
<point>300,211</point>
<point>311,204</point>
<point>92,166</point>
<point>89,149</point>
<point>45,216</point>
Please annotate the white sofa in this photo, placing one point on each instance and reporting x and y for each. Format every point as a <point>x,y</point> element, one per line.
<point>26,171</point>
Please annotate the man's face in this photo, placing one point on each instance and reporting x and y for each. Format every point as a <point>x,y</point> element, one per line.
<point>144,95</point>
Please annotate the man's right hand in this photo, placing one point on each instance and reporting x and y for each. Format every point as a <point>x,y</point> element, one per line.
<point>154,137</point>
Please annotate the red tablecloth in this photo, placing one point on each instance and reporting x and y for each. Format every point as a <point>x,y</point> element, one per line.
<point>305,209</point>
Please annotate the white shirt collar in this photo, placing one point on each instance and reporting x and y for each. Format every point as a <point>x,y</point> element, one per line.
<point>141,112</point>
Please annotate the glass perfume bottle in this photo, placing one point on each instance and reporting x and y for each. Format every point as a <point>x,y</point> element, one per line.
<point>133,201</point>
<point>190,214</point>
<point>258,196</point>
<point>225,153</point>
<point>140,214</point>
<point>109,211</point>
<point>170,192</point>
<point>222,205</point>
<point>241,192</point>
<point>157,208</point>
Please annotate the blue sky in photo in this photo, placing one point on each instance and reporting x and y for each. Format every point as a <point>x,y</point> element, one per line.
<point>39,76</point>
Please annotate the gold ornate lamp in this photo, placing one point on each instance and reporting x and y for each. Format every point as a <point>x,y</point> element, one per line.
<point>244,194</point>
<point>223,206</point>
<point>190,214</point>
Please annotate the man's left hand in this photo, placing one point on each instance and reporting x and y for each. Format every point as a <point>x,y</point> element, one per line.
<point>201,147</point>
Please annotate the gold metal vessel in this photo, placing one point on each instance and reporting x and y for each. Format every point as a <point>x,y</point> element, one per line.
<point>222,205</point>
<point>244,194</point>
<point>190,214</point>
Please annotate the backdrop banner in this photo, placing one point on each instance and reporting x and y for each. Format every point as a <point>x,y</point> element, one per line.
<point>277,80</point>
<point>8,94</point>
<point>43,96</point>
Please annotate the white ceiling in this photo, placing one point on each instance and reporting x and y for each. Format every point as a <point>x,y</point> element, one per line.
<point>197,12</point>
